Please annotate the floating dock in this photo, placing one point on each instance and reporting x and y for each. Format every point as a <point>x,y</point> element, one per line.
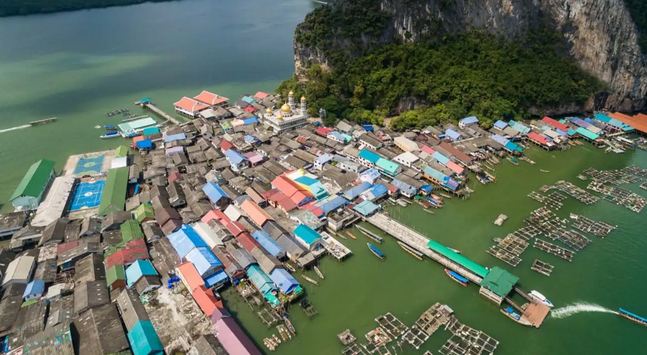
<point>553,249</point>
<point>370,234</point>
<point>542,267</point>
<point>334,247</point>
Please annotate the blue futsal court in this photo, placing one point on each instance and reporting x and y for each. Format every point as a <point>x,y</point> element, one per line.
<point>87,195</point>
<point>89,165</point>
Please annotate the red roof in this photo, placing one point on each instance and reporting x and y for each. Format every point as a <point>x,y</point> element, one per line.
<point>261,95</point>
<point>235,228</point>
<point>190,105</point>
<point>126,256</point>
<point>206,300</point>
<point>225,145</point>
<point>247,242</point>
<point>190,276</point>
<point>538,138</point>
<point>136,139</point>
<point>65,247</point>
<point>255,212</point>
<point>554,123</point>
<point>280,199</point>
<point>323,131</point>
<point>210,98</point>
<point>427,149</point>
<point>218,215</point>
<point>249,109</point>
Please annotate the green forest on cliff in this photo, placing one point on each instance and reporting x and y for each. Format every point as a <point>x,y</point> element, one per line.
<point>448,78</point>
<point>27,7</point>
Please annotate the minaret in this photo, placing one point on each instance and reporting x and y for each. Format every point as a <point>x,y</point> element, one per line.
<point>303,108</point>
<point>291,100</point>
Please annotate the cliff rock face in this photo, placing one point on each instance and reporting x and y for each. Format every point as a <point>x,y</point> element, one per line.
<point>600,34</point>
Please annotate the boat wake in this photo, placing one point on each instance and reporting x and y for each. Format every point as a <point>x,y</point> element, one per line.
<point>579,307</point>
<point>14,128</point>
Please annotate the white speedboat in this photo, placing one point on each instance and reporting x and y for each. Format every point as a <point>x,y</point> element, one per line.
<point>541,298</point>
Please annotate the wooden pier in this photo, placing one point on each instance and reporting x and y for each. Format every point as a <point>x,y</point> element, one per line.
<point>419,242</point>
<point>334,247</point>
<point>158,111</point>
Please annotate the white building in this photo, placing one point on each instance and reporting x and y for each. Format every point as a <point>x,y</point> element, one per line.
<point>407,159</point>
<point>405,144</point>
<point>287,117</point>
<point>19,270</point>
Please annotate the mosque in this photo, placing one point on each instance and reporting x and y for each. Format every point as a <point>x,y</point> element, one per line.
<point>287,117</point>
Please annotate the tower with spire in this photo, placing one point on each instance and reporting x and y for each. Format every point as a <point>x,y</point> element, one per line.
<point>303,108</point>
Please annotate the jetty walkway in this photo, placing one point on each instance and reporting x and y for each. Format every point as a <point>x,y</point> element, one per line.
<point>149,105</point>
<point>419,242</point>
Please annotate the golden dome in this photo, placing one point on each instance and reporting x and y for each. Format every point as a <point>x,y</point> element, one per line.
<point>269,110</point>
<point>279,116</point>
<point>303,98</point>
<point>291,93</point>
<point>286,108</point>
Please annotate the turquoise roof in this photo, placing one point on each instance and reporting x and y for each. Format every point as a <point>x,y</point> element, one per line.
<point>307,234</point>
<point>388,166</point>
<point>458,258</point>
<point>586,133</point>
<point>144,339</point>
<point>139,269</point>
<point>369,155</point>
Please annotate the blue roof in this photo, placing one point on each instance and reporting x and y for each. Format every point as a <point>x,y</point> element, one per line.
<point>250,120</point>
<point>370,173</point>
<point>406,188</point>
<point>218,278</point>
<point>284,280</point>
<point>357,190</point>
<point>469,120</point>
<point>513,147</point>
<point>214,192</point>
<point>35,288</point>
<point>144,144</point>
<point>499,139</point>
<point>234,157</point>
<point>306,180</point>
<point>306,234</point>
<point>204,261</point>
<point>452,134</point>
<point>366,207</point>
<point>174,137</point>
<point>522,128</point>
<point>248,99</point>
<point>139,269</point>
<point>249,139</point>
<point>368,127</point>
<point>440,157</point>
<point>500,124</point>
<point>323,159</point>
<point>144,339</point>
<point>376,192</point>
<point>185,239</point>
<point>332,204</point>
<point>267,243</point>
<point>369,155</point>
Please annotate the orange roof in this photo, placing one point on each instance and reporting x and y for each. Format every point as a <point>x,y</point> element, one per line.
<point>210,98</point>
<point>190,105</point>
<point>638,122</point>
<point>255,212</point>
<point>190,276</point>
<point>206,300</point>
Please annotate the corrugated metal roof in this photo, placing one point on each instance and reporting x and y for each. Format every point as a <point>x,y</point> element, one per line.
<point>459,259</point>
<point>113,197</point>
<point>204,260</point>
<point>284,280</point>
<point>499,281</point>
<point>139,269</point>
<point>214,192</point>
<point>306,234</point>
<point>260,279</point>
<point>144,339</point>
<point>269,244</point>
<point>190,276</point>
<point>233,338</point>
<point>369,155</point>
<point>35,180</point>
<point>255,212</point>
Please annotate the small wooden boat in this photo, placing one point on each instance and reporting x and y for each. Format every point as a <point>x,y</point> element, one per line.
<point>318,272</point>
<point>312,281</point>
<point>463,281</point>
<point>110,134</point>
<point>375,250</point>
<point>351,235</point>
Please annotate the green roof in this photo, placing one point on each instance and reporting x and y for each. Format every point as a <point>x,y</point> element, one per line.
<point>388,166</point>
<point>114,192</point>
<point>143,212</point>
<point>459,259</point>
<point>122,151</point>
<point>35,180</point>
<point>499,281</point>
<point>131,230</point>
<point>117,272</point>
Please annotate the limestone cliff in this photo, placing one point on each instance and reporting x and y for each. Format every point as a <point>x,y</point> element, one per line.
<point>600,36</point>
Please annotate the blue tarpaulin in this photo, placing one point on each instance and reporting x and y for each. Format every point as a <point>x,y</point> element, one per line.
<point>144,144</point>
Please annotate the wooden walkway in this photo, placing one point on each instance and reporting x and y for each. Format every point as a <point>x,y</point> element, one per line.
<point>161,113</point>
<point>417,241</point>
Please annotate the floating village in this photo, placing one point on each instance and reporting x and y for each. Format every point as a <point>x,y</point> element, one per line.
<point>127,250</point>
